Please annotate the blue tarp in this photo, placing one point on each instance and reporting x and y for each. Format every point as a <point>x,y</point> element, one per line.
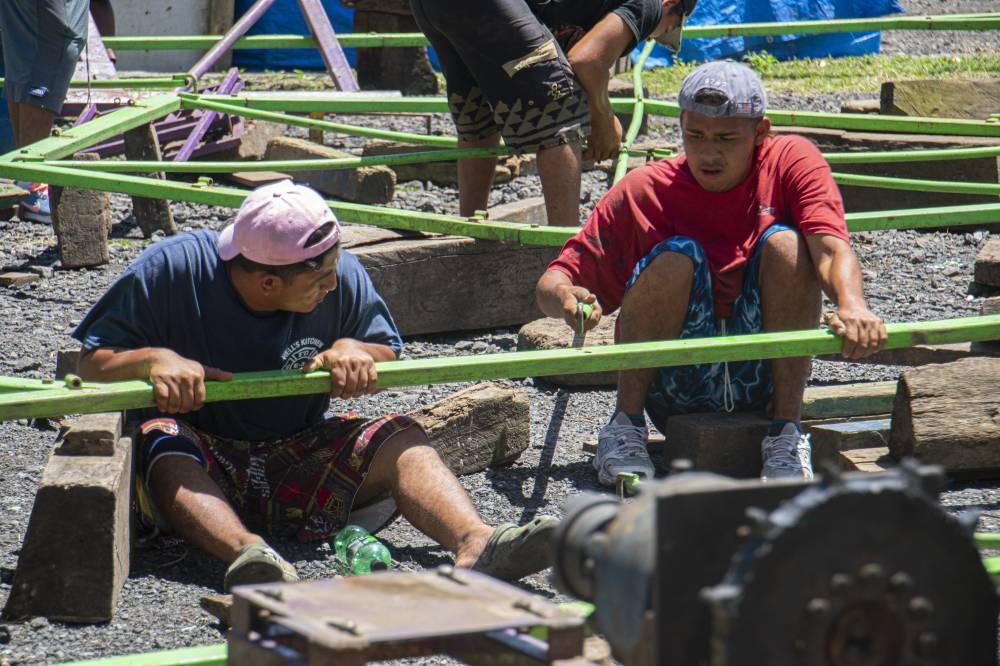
<point>285,18</point>
<point>783,47</point>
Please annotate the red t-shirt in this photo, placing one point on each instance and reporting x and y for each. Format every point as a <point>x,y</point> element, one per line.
<point>790,183</point>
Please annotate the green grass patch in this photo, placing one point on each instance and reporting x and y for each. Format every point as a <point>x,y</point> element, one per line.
<point>863,74</point>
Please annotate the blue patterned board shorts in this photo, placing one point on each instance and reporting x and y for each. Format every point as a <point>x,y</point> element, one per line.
<point>703,387</point>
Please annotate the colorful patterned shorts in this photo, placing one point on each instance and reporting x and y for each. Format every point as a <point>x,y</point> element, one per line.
<point>711,387</point>
<point>505,73</point>
<point>303,485</point>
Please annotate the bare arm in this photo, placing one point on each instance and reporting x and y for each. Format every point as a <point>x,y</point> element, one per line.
<point>840,275</point>
<point>591,59</point>
<point>352,366</point>
<point>178,382</point>
<point>557,297</point>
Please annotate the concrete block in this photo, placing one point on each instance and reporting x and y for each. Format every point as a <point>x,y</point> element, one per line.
<point>255,179</point>
<point>482,426</point>
<point>991,305</point>
<point>523,211</point>
<point>727,444</point>
<point>829,439</point>
<point>75,555</point>
<point>371,185</point>
<point>987,269</point>
<point>253,141</point>
<point>82,222</point>
<point>150,214</point>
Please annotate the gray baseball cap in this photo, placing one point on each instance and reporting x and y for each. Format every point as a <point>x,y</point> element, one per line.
<point>672,38</point>
<point>723,88</point>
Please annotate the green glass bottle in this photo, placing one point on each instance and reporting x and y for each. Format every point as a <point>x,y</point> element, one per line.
<point>360,551</point>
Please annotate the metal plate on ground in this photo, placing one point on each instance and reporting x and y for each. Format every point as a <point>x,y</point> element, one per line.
<point>395,614</point>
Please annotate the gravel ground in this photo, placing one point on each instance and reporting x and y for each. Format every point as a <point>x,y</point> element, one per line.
<point>159,604</point>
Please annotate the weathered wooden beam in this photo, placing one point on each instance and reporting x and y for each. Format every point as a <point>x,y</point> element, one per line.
<point>975,99</point>
<point>949,415</point>
<point>151,214</point>
<point>75,555</point>
<point>483,426</point>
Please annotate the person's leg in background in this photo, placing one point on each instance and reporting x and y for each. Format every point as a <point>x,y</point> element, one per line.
<point>104,17</point>
<point>42,43</point>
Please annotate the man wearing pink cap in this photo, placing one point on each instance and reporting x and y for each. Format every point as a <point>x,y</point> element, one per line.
<point>274,290</point>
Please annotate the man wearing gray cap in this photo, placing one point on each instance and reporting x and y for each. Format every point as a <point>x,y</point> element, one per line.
<point>536,73</point>
<point>742,233</point>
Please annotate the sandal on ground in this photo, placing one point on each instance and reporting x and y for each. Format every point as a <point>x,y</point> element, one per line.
<point>513,552</point>
<point>258,563</point>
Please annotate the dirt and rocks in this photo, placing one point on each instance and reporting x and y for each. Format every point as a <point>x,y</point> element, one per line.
<point>909,277</point>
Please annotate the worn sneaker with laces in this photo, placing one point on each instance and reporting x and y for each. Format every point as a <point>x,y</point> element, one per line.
<point>36,207</point>
<point>258,563</point>
<point>787,455</point>
<point>621,447</point>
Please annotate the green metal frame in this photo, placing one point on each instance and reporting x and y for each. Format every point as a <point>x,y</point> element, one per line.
<point>26,399</point>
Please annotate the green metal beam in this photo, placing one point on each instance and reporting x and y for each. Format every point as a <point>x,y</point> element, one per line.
<point>391,218</point>
<point>135,166</point>
<point>205,655</point>
<point>225,105</point>
<point>394,218</point>
<point>69,141</point>
<point>924,218</point>
<point>638,112</point>
<point>894,156</point>
<point>96,397</point>
<point>131,83</point>
<point>369,40</point>
<point>859,121</point>
<point>918,185</point>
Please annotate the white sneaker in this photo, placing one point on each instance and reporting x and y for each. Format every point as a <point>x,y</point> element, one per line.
<point>787,455</point>
<point>621,447</point>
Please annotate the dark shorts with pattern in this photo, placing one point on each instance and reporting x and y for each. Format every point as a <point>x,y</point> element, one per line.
<point>303,485</point>
<point>711,387</point>
<point>504,72</point>
<point>42,41</point>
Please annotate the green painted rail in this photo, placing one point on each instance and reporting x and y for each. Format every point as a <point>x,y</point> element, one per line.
<point>916,185</point>
<point>393,218</point>
<point>375,40</point>
<point>101,397</point>
<point>205,655</point>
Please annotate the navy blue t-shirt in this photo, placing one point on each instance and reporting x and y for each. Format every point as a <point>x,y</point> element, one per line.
<point>178,295</point>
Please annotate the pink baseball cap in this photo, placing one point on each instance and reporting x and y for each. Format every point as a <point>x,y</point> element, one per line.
<point>275,222</point>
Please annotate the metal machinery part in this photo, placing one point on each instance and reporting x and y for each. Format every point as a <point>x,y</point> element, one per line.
<point>397,614</point>
<point>852,570</point>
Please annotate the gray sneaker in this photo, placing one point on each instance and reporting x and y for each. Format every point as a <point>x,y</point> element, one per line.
<point>787,455</point>
<point>621,447</point>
